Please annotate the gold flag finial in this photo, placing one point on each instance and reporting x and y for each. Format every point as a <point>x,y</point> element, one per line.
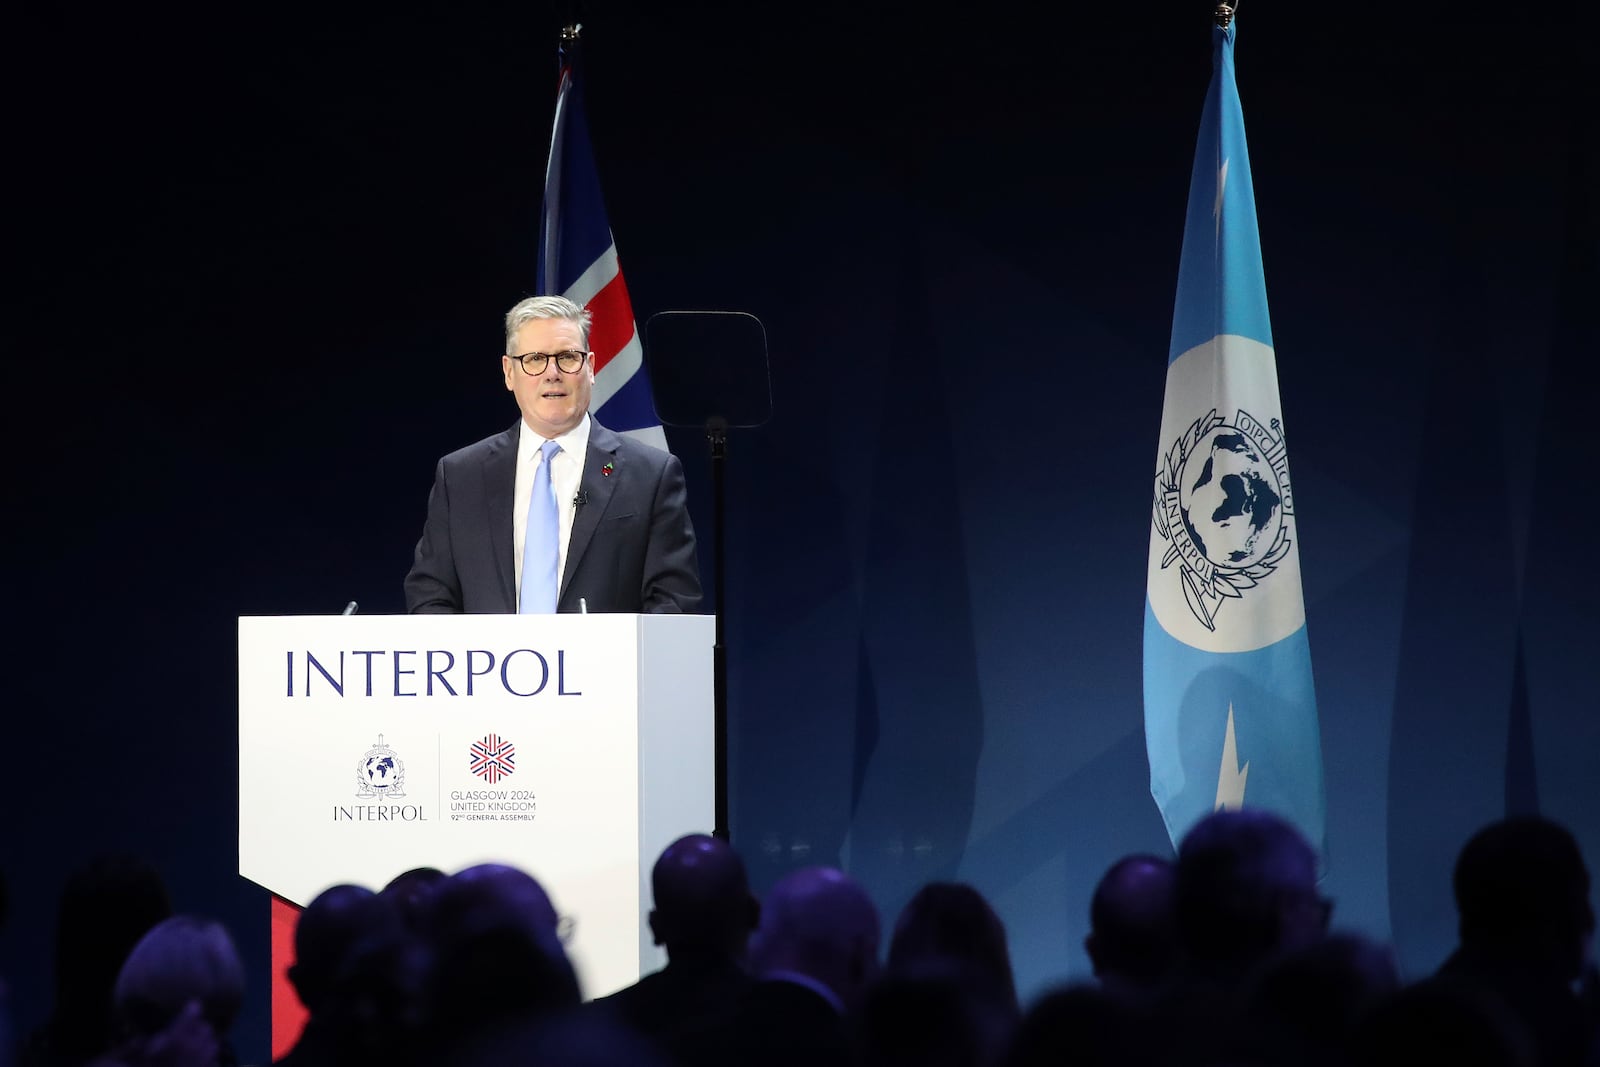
<point>570,33</point>
<point>1223,15</point>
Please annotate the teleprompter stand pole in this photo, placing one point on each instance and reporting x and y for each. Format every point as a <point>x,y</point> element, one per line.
<point>717,436</point>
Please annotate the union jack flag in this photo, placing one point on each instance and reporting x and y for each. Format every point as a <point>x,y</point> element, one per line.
<point>493,758</point>
<point>578,260</point>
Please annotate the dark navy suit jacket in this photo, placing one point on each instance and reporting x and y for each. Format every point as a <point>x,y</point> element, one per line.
<point>631,548</point>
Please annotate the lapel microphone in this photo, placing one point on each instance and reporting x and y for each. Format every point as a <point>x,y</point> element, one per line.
<point>580,498</point>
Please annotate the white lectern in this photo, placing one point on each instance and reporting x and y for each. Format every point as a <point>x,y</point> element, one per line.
<point>575,747</point>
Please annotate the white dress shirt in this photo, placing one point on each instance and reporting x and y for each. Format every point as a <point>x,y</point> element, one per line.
<point>566,474</point>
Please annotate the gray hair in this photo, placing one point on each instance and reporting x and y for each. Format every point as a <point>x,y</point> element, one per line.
<point>180,959</point>
<point>545,307</point>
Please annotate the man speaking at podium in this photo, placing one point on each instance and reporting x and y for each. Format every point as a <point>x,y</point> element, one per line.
<point>557,513</point>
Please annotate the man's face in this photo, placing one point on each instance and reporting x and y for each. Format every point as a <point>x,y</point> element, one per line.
<point>552,401</point>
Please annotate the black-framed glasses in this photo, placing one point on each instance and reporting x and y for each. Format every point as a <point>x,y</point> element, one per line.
<point>569,362</point>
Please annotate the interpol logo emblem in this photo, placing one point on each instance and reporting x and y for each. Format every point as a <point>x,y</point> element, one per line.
<point>1223,506</point>
<point>493,758</point>
<point>380,773</point>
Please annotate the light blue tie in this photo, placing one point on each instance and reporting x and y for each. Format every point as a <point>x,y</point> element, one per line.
<point>541,547</point>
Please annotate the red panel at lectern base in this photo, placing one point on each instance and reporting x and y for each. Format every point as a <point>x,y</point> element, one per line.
<point>288,1014</point>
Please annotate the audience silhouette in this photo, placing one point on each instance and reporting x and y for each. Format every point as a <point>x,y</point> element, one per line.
<point>1132,942</point>
<point>703,917</point>
<point>497,959</point>
<point>1304,1006</point>
<point>409,892</point>
<point>1526,933</point>
<point>1244,894</point>
<point>106,907</point>
<point>1223,956</point>
<point>814,955</point>
<point>341,927</point>
<point>1245,890</point>
<point>947,983</point>
<point>1087,1025</point>
<point>177,996</point>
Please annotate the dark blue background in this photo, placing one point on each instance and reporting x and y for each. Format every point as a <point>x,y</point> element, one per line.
<point>260,263</point>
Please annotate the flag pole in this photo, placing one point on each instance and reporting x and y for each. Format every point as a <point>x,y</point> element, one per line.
<point>1229,693</point>
<point>717,437</point>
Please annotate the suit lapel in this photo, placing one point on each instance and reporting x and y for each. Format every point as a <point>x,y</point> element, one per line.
<point>596,489</point>
<point>500,483</point>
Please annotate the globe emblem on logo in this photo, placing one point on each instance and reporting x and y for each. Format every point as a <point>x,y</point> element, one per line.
<point>380,772</point>
<point>1230,499</point>
<point>1223,508</point>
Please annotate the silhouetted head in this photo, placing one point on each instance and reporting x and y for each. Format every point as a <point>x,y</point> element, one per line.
<point>410,892</point>
<point>1133,933</point>
<point>1522,892</point>
<point>949,928</point>
<point>106,907</point>
<point>181,959</point>
<point>1246,889</point>
<point>339,918</point>
<point>506,892</point>
<point>703,904</point>
<point>496,951</point>
<point>818,922</point>
<point>1307,1003</point>
<point>376,1009</point>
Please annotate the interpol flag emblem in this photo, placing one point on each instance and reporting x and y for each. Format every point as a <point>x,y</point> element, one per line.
<point>1223,507</point>
<point>493,758</point>
<point>1230,710</point>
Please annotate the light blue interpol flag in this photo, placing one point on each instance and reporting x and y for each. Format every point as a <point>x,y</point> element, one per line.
<point>1229,709</point>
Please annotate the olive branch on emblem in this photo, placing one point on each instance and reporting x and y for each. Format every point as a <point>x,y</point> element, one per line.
<point>1167,480</point>
<point>1233,582</point>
